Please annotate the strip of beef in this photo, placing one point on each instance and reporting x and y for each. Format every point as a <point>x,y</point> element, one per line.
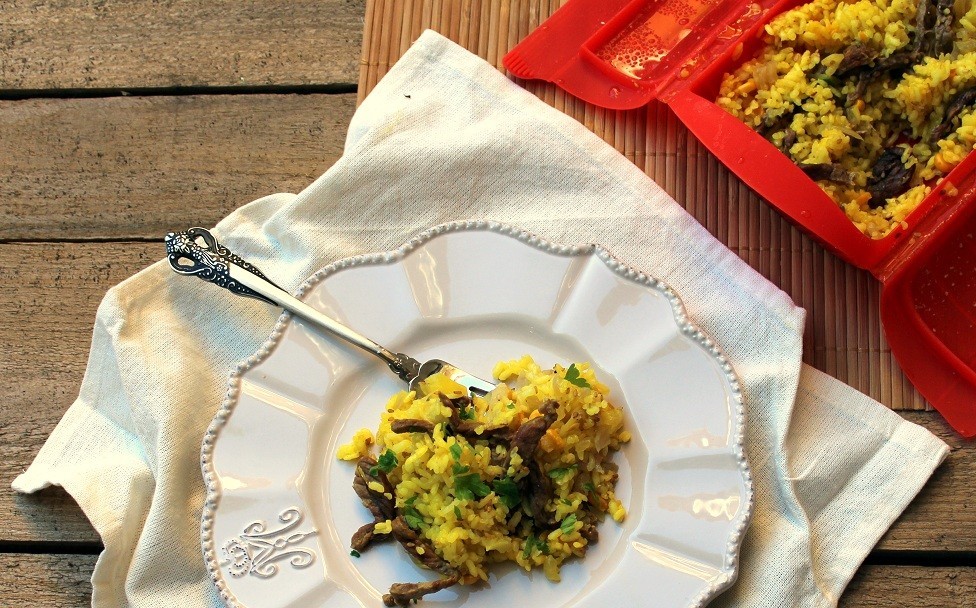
<point>889,176</point>
<point>789,139</point>
<point>365,536</point>
<point>772,124</point>
<point>402,594</point>
<point>526,438</point>
<point>412,425</point>
<point>419,548</point>
<point>925,19</point>
<point>536,490</point>
<point>855,56</point>
<point>944,36</point>
<point>960,102</point>
<point>381,507</point>
<point>828,172</point>
<point>467,428</point>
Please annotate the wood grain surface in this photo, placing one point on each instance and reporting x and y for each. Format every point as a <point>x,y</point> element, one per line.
<point>236,100</point>
<point>136,167</point>
<point>63,581</point>
<point>136,44</point>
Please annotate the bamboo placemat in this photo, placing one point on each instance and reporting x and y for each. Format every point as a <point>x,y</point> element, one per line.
<point>843,336</point>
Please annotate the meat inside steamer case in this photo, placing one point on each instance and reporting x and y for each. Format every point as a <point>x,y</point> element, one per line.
<point>622,54</point>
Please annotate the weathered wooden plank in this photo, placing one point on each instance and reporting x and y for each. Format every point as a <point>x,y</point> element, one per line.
<point>57,581</point>
<point>943,515</point>
<point>138,166</point>
<point>60,285</point>
<point>27,581</point>
<point>52,313</point>
<point>120,44</point>
<point>910,587</point>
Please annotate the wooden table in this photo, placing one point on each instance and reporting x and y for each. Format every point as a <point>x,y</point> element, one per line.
<point>122,120</point>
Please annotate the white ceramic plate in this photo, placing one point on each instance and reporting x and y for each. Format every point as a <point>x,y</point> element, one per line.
<point>280,510</point>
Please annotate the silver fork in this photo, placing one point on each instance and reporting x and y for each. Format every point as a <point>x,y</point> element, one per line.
<point>197,252</point>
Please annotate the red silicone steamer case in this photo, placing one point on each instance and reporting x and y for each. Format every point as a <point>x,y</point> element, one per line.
<point>621,54</point>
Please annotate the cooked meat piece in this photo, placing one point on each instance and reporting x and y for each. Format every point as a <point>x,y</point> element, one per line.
<point>590,533</point>
<point>943,35</point>
<point>925,19</point>
<point>855,56</point>
<point>828,172</point>
<point>526,438</point>
<point>466,428</point>
<point>536,490</point>
<point>402,594</point>
<point>365,536</point>
<point>412,541</point>
<point>889,176</point>
<point>412,425</point>
<point>770,125</point>
<point>789,139</point>
<point>960,102</point>
<point>380,506</point>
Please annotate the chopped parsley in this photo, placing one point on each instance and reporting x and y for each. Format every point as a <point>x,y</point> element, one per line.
<point>532,543</point>
<point>457,512</point>
<point>456,450</point>
<point>567,526</point>
<point>573,377</point>
<point>507,491</point>
<point>467,485</point>
<point>511,405</point>
<point>466,413</point>
<point>560,472</point>
<point>386,463</point>
<point>411,515</point>
<point>589,487</point>
<point>354,553</point>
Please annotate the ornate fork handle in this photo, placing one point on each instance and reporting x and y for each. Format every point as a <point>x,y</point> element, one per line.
<point>196,252</point>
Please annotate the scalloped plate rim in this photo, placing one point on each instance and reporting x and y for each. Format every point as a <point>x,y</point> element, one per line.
<point>685,326</point>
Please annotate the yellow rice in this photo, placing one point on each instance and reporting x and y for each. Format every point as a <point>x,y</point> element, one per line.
<point>779,82</point>
<point>576,452</point>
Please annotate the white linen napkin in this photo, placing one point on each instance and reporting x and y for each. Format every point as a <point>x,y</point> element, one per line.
<point>446,137</point>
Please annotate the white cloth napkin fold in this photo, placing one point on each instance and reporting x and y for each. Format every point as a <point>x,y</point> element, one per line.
<point>446,137</point>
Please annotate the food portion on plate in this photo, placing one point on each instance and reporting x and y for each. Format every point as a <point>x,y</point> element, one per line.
<point>873,99</point>
<point>523,474</point>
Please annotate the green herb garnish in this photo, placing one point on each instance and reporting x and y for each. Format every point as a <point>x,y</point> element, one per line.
<point>507,491</point>
<point>568,524</point>
<point>386,463</point>
<point>532,543</point>
<point>354,553</point>
<point>560,472</point>
<point>468,485</point>
<point>411,515</point>
<point>573,377</point>
<point>455,451</point>
<point>589,487</point>
<point>466,413</point>
<point>511,405</point>
<point>457,512</point>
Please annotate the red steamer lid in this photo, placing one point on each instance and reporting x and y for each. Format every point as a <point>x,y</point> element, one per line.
<point>621,54</point>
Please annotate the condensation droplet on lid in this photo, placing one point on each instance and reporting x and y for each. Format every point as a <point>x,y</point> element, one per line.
<point>805,213</point>
<point>614,92</point>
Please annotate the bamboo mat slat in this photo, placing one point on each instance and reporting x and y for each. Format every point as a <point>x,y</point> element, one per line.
<point>843,334</point>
